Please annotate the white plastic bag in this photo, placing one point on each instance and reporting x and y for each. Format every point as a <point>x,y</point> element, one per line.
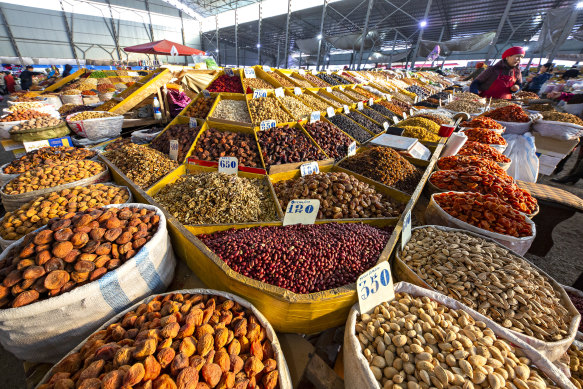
<point>46,330</point>
<point>94,129</point>
<point>144,136</point>
<point>434,214</point>
<point>558,130</point>
<point>357,373</point>
<point>522,151</point>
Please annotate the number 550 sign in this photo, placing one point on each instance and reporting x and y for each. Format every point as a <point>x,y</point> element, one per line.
<point>374,287</point>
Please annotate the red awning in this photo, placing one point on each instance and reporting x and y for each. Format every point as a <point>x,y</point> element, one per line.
<point>163,47</point>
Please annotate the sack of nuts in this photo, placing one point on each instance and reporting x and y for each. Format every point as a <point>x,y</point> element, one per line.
<point>382,348</point>
<point>60,283</point>
<point>197,338</point>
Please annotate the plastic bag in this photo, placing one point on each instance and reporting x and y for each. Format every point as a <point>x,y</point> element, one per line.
<point>99,128</point>
<point>434,214</point>
<point>177,101</point>
<point>558,130</point>
<point>144,136</point>
<point>522,151</point>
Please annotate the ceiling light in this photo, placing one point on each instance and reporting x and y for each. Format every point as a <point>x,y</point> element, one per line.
<point>327,58</point>
<point>319,36</point>
<point>258,45</point>
<point>217,50</point>
<point>525,48</point>
<point>423,23</point>
<point>579,5</point>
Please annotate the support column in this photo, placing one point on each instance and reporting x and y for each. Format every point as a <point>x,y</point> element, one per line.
<point>440,38</point>
<point>259,35</point>
<point>499,30</point>
<point>236,33</point>
<point>151,28</point>
<point>416,50</point>
<point>392,51</point>
<point>300,64</point>
<point>365,31</point>
<point>217,37</point>
<point>69,32</point>
<point>321,34</point>
<point>277,64</point>
<point>11,36</point>
<point>286,48</point>
<point>183,38</point>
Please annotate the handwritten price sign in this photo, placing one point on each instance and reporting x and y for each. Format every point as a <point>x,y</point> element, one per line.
<point>228,165</point>
<point>249,72</point>
<point>266,125</point>
<point>309,168</point>
<point>374,287</point>
<point>301,212</point>
<point>257,93</point>
<point>173,149</point>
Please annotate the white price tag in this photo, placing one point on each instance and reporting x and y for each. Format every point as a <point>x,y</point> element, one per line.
<point>411,112</point>
<point>266,124</point>
<point>351,149</point>
<point>328,72</point>
<point>192,123</point>
<point>266,69</point>
<point>341,88</point>
<point>406,234</point>
<point>249,72</point>
<point>315,116</point>
<point>395,119</point>
<point>297,91</point>
<point>309,168</point>
<point>279,92</point>
<point>370,101</point>
<point>35,145</point>
<point>257,93</point>
<point>359,106</point>
<point>386,125</point>
<point>374,287</point>
<point>301,212</point>
<point>301,71</point>
<point>228,165</point>
<point>206,93</point>
<point>173,149</point>
<point>328,89</point>
<point>330,112</point>
<point>404,115</point>
<point>229,72</point>
<point>416,99</point>
<point>346,109</point>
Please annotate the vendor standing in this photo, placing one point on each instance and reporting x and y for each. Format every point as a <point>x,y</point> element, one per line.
<point>503,79</point>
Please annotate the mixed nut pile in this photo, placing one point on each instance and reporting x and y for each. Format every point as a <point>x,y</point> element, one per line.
<point>43,155</point>
<point>36,123</point>
<point>92,115</point>
<point>267,108</point>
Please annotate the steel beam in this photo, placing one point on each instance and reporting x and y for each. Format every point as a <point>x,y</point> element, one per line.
<point>69,32</point>
<point>11,36</point>
<point>365,31</point>
<point>321,34</point>
<point>286,48</point>
<point>217,37</point>
<point>416,50</point>
<point>182,33</point>
<point>564,34</point>
<point>114,31</point>
<point>259,35</point>
<point>151,27</point>
<point>236,33</point>
<point>499,30</point>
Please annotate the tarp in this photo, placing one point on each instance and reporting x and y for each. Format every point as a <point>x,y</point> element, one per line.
<point>308,46</point>
<point>352,41</point>
<point>472,43</point>
<point>556,20</point>
<point>382,58</point>
<point>163,47</point>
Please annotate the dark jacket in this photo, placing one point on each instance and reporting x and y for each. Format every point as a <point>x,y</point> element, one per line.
<point>571,73</point>
<point>485,80</point>
<point>26,79</point>
<point>538,81</point>
<point>474,74</point>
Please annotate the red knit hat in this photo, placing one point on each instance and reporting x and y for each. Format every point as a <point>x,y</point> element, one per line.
<point>513,51</point>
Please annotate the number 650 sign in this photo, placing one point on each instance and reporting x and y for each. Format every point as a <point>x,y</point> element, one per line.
<point>374,287</point>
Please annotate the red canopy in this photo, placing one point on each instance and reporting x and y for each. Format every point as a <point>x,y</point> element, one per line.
<point>163,47</point>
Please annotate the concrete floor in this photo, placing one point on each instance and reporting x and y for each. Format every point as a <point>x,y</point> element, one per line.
<point>563,262</point>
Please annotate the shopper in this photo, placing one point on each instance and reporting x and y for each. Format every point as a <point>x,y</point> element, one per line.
<point>537,82</point>
<point>9,81</point>
<point>26,77</point>
<point>502,79</point>
<point>67,70</point>
<point>571,73</point>
<point>480,67</point>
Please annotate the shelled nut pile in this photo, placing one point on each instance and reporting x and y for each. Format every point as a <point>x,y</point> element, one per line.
<point>233,110</point>
<point>330,138</point>
<point>330,101</point>
<point>354,94</point>
<point>341,196</point>
<point>315,80</point>
<point>576,366</point>
<point>217,198</point>
<point>72,251</point>
<point>297,108</point>
<point>342,96</point>
<point>24,115</point>
<point>256,83</point>
<point>284,81</point>
<point>183,133</point>
<point>175,341</point>
<point>390,340</point>
<point>351,128</point>
<point>37,213</point>
<point>43,155</point>
<point>281,145</point>
<point>314,102</point>
<point>300,82</point>
<point>201,107</point>
<point>267,108</point>
<point>214,144</point>
<point>92,115</point>
<point>488,278</point>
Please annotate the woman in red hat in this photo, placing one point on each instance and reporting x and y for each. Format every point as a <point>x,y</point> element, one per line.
<point>503,79</point>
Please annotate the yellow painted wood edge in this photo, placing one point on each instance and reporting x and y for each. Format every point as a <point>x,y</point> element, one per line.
<point>121,105</point>
<point>65,81</point>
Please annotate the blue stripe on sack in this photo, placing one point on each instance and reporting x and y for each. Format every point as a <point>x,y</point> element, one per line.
<point>112,292</point>
<point>147,269</point>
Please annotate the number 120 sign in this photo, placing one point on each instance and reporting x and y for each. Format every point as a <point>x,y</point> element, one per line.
<point>301,212</point>
<point>374,287</point>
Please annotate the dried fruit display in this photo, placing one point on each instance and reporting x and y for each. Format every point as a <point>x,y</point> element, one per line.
<point>43,155</point>
<point>484,211</point>
<point>483,151</point>
<point>365,122</point>
<point>301,258</point>
<point>392,106</point>
<point>267,108</point>
<point>483,135</point>
<point>427,124</point>
<point>213,144</point>
<point>341,196</point>
<point>351,128</point>
<point>420,133</point>
<point>525,95</point>
<point>175,341</point>
<point>281,145</point>
<point>228,84</point>
<point>474,179</point>
<point>283,80</point>
<point>73,250</point>
<point>465,106</point>
<point>53,174</point>
<point>183,133</point>
<point>481,359</point>
<point>482,122</point>
<point>435,117</point>
<point>315,80</point>
<point>562,117</point>
<point>330,138</point>
<point>256,83</point>
<point>200,108</point>
<point>510,113</point>
<point>462,161</point>
<point>24,115</point>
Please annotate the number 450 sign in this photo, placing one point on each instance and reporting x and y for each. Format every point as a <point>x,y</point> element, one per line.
<point>374,287</point>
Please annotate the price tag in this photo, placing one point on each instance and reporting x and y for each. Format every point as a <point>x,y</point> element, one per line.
<point>386,125</point>
<point>404,115</point>
<point>301,212</point>
<point>228,165</point>
<point>406,234</point>
<point>359,106</point>
<point>301,71</point>
<point>328,72</point>
<point>440,102</point>
<point>416,99</point>
<point>257,93</point>
<point>341,88</point>
<point>249,72</point>
<point>266,69</point>
<point>314,116</point>
<point>279,92</point>
<point>351,149</point>
<point>330,112</point>
<point>173,150</point>
<point>297,91</point>
<point>35,145</point>
<point>266,125</point>
<point>192,123</point>
<point>395,119</point>
<point>309,168</point>
<point>370,102</point>
<point>206,93</point>
<point>328,89</point>
<point>374,287</point>
<point>411,112</point>
<point>346,109</point>
<point>229,72</point>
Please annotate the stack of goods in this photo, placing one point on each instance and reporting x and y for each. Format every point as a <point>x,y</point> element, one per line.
<point>486,136</point>
<point>330,138</point>
<point>482,122</point>
<point>226,84</point>
<point>510,113</point>
<point>213,144</point>
<point>281,145</point>
<point>483,151</point>
<point>183,133</point>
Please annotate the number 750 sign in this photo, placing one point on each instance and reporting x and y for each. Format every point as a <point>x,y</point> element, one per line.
<point>374,287</point>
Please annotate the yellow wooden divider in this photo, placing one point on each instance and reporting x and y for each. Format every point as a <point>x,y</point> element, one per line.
<point>64,81</point>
